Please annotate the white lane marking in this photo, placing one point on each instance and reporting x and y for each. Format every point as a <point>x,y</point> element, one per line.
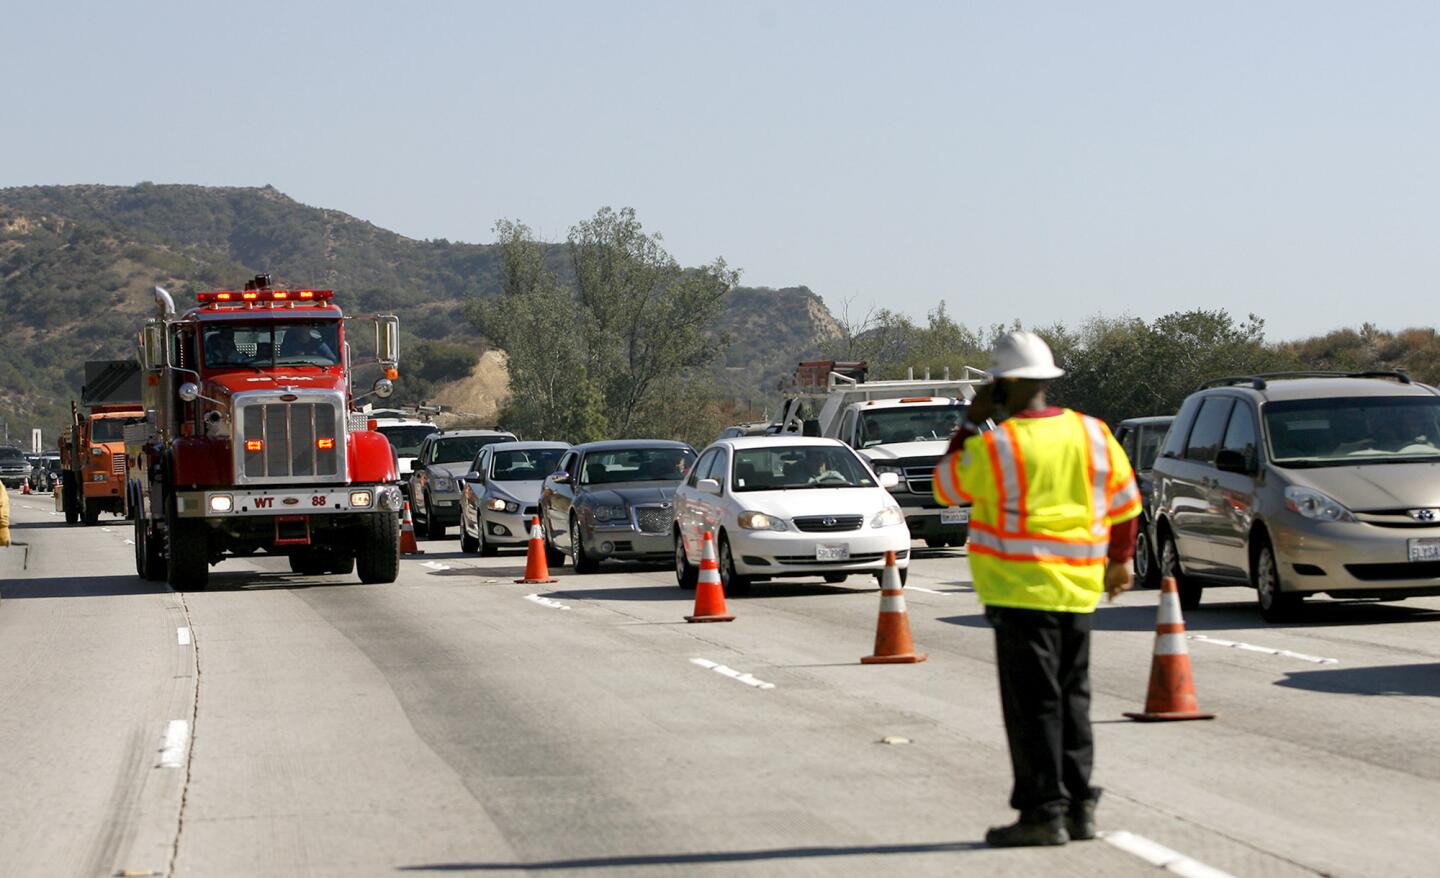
<point>1157,854</point>
<point>434,565</point>
<point>1250,647</point>
<point>106,530</point>
<point>927,590</point>
<point>129,542</point>
<point>177,734</point>
<point>182,635</point>
<point>546,602</point>
<point>732,673</point>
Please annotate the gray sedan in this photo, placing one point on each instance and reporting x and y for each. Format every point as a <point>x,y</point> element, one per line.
<point>500,495</point>
<point>612,500</point>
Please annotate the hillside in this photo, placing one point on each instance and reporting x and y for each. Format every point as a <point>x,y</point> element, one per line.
<point>77,264</point>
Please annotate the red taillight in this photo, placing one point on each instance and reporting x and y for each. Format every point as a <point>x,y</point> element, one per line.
<point>324,444</point>
<point>254,444</point>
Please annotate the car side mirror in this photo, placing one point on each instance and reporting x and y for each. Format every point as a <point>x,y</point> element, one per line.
<point>560,478</point>
<point>708,486</point>
<point>1232,461</point>
<point>471,476</point>
<point>889,480</point>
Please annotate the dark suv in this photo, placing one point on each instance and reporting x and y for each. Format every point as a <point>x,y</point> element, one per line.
<point>1303,483</point>
<point>1142,439</point>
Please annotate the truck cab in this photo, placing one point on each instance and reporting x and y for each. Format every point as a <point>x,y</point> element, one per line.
<point>902,427</point>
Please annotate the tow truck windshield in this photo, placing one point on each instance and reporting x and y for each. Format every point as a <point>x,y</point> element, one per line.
<point>302,343</point>
<point>910,423</point>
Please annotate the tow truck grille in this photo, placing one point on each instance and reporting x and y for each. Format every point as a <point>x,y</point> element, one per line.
<point>282,441</point>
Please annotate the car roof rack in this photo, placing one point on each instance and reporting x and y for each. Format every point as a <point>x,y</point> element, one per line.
<point>1259,381</point>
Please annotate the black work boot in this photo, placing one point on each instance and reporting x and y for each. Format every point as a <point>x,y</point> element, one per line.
<point>1080,819</point>
<point>1028,833</point>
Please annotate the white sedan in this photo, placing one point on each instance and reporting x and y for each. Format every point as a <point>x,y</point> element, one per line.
<point>786,506</point>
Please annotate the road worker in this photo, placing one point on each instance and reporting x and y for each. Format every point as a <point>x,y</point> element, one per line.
<point>1052,526</point>
<point>4,517</point>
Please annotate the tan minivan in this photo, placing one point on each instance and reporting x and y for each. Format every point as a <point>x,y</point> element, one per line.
<point>1302,483</point>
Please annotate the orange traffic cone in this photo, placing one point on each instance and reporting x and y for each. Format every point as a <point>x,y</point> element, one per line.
<point>24,487</point>
<point>537,569</point>
<point>1172,691</point>
<point>709,593</point>
<point>893,645</point>
<point>408,546</point>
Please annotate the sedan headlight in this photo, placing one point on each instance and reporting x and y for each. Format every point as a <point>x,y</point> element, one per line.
<point>888,517</point>
<point>609,513</point>
<point>761,521</point>
<point>443,484</point>
<point>1314,505</point>
<point>496,504</point>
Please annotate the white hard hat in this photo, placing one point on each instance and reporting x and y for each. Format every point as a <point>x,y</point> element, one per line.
<point>1022,354</point>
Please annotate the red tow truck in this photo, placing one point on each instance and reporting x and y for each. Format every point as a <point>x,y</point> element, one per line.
<point>254,440</point>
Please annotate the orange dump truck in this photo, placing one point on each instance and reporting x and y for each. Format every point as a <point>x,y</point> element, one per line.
<point>92,451</point>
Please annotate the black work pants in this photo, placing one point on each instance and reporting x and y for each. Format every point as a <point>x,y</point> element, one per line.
<point>1044,664</point>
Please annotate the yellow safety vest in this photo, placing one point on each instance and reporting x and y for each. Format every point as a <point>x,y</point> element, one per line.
<point>1043,493</point>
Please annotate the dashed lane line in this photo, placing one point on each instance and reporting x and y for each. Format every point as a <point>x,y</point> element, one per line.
<point>177,737</point>
<point>1156,854</point>
<point>183,636</point>
<point>1250,647</point>
<point>733,674</point>
<point>434,565</point>
<point>129,542</point>
<point>943,594</point>
<point>546,602</point>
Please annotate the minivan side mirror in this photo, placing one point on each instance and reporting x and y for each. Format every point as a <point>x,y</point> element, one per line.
<point>1231,461</point>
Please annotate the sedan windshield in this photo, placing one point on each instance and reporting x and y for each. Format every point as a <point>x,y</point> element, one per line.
<point>789,468</point>
<point>636,465</point>
<point>1353,430</point>
<point>463,448</point>
<point>911,423</point>
<point>525,466</point>
<point>307,343</point>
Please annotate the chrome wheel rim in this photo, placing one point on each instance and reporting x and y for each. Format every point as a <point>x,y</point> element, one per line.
<point>575,541</point>
<point>1168,561</point>
<point>679,558</point>
<point>1142,555</point>
<point>727,565</point>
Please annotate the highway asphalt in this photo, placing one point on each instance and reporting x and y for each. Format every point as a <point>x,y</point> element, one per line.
<point>455,722</point>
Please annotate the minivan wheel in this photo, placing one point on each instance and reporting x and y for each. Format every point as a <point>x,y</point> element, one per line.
<point>1190,589</point>
<point>1275,605</point>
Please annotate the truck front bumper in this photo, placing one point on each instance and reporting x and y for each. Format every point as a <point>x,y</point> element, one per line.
<point>288,500</point>
<point>937,523</point>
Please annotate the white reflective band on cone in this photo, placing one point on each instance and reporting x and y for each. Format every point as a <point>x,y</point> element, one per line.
<point>1170,609</point>
<point>1171,644</point>
<point>892,603</point>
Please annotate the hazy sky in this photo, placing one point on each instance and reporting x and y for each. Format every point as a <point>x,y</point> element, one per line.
<point>1040,161</point>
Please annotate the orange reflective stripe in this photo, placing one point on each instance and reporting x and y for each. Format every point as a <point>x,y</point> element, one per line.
<point>1098,473</point>
<point>948,489</point>
<point>1022,495</point>
<point>1124,498</point>
<point>1005,463</point>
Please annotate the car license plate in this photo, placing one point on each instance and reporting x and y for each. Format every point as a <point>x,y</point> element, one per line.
<point>954,515</point>
<point>1427,549</point>
<point>832,553</point>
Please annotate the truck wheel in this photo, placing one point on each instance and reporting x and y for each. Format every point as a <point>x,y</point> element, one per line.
<point>378,557</point>
<point>92,511</point>
<point>149,560</point>
<point>67,500</point>
<point>188,562</point>
<point>341,564</point>
<point>937,542</point>
<point>433,528</point>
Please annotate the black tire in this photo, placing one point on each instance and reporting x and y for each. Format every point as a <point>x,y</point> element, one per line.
<point>187,559</point>
<point>687,575</point>
<point>149,559</point>
<point>468,544</point>
<point>433,528</point>
<point>1276,605</point>
<point>309,562</point>
<point>377,559</point>
<point>904,576</point>
<point>1147,568</point>
<point>583,563</point>
<point>486,548</point>
<point>937,542</point>
<point>1191,589</point>
<point>836,578</point>
<point>341,564</point>
<point>67,499</point>
<point>553,556</point>
<point>733,582</point>
<point>90,511</point>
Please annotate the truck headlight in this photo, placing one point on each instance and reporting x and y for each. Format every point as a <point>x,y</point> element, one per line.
<point>444,484</point>
<point>361,499</point>
<point>221,503</point>
<point>889,468</point>
<point>888,517</point>
<point>761,521</point>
